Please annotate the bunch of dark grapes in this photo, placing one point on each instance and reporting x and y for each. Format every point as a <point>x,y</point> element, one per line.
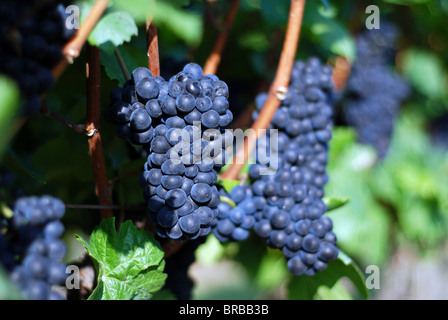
<point>177,267</point>
<point>181,124</point>
<point>146,101</point>
<point>32,34</point>
<point>31,249</point>
<point>288,190</point>
<point>374,92</point>
<point>234,222</point>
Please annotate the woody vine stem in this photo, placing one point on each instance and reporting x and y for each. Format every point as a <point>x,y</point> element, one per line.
<point>280,83</point>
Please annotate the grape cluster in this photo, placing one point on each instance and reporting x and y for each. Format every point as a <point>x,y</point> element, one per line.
<point>233,223</point>
<point>288,190</point>
<point>181,124</point>
<point>31,249</point>
<point>374,92</point>
<point>32,34</point>
<point>146,101</point>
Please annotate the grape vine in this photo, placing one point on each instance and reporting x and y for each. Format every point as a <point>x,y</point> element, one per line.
<point>194,183</point>
<point>374,92</point>
<point>31,48</point>
<point>32,249</point>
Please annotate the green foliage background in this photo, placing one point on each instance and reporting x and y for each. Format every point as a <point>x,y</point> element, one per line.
<point>400,202</point>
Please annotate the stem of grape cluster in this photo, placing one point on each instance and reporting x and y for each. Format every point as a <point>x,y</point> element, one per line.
<point>122,64</point>
<point>277,89</point>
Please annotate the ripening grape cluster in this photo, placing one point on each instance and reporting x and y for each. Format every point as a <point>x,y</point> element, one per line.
<point>181,123</point>
<point>32,34</point>
<point>288,190</point>
<point>374,92</point>
<point>31,249</point>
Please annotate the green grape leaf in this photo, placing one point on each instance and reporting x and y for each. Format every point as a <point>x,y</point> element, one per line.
<point>178,3</point>
<point>210,252</point>
<point>426,72</point>
<point>275,12</point>
<point>325,3</point>
<point>254,40</point>
<point>113,29</point>
<point>273,259</point>
<point>130,264</point>
<point>326,284</point>
<point>8,109</point>
<point>329,33</point>
<point>132,57</point>
<point>362,220</point>
<point>335,202</point>
<point>186,25</point>
<point>8,291</point>
<point>406,2</point>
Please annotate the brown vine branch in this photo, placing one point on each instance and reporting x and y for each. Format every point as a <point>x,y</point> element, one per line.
<point>212,63</point>
<point>73,48</point>
<point>277,88</point>
<point>80,128</point>
<point>341,73</point>
<point>153,47</point>
<point>123,67</point>
<point>93,116</point>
